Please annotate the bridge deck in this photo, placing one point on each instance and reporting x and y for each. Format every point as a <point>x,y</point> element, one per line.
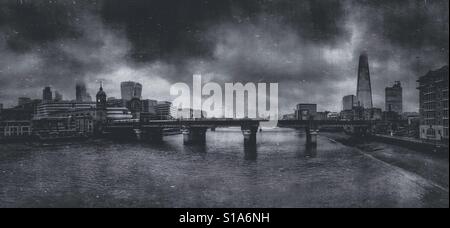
<point>210,123</point>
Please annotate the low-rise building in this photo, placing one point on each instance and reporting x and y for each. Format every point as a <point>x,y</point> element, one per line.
<point>15,129</point>
<point>47,109</point>
<point>306,111</point>
<point>165,110</point>
<point>373,114</point>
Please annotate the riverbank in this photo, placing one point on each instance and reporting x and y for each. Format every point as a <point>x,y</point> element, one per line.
<point>429,165</point>
<point>414,144</point>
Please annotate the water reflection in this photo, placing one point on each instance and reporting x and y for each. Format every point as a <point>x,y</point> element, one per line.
<point>250,152</point>
<point>310,150</point>
<point>200,148</point>
<point>101,173</point>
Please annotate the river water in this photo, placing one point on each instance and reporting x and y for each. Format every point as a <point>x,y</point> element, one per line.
<point>282,173</point>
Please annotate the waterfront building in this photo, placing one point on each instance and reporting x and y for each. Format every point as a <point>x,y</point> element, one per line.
<point>306,111</point>
<point>394,98</point>
<point>348,102</point>
<point>189,113</point>
<point>135,107</point>
<point>51,108</point>
<point>364,88</point>
<point>82,120</point>
<point>15,129</point>
<point>165,110</point>
<point>63,127</point>
<point>118,113</point>
<point>47,95</point>
<point>130,90</point>
<point>433,98</point>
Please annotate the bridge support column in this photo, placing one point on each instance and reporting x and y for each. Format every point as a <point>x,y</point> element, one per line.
<point>152,135</point>
<point>311,136</point>
<point>194,135</point>
<point>249,133</point>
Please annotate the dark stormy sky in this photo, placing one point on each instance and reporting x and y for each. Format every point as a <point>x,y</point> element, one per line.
<point>309,47</point>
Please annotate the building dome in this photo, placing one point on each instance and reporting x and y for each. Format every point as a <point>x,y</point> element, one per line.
<point>101,93</point>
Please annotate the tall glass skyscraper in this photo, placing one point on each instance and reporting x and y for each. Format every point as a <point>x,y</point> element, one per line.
<point>130,90</point>
<point>364,89</point>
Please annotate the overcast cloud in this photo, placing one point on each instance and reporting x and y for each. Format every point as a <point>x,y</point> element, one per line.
<point>310,47</point>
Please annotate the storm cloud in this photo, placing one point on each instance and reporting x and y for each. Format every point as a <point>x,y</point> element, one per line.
<point>310,47</point>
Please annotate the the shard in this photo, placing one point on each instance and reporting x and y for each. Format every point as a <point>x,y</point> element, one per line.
<point>364,89</point>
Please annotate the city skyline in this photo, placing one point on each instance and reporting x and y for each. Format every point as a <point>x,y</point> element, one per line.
<point>136,89</point>
<point>307,52</point>
<point>224,104</point>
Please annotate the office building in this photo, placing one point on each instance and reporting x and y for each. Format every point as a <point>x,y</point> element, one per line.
<point>149,106</point>
<point>113,102</point>
<point>165,110</point>
<point>53,108</point>
<point>433,98</point>
<point>23,101</point>
<point>357,113</point>
<point>47,95</point>
<point>373,114</point>
<point>348,102</point>
<point>364,88</point>
<point>394,98</point>
<point>130,90</point>
<point>58,96</point>
<point>81,93</point>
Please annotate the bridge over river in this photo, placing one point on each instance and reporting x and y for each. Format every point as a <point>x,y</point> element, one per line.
<point>194,130</point>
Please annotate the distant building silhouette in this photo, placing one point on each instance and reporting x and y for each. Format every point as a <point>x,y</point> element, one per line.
<point>348,102</point>
<point>23,101</point>
<point>58,96</point>
<point>130,90</point>
<point>81,93</point>
<point>47,95</point>
<point>364,89</point>
<point>394,98</point>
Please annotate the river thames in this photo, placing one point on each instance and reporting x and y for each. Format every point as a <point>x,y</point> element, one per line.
<point>222,173</point>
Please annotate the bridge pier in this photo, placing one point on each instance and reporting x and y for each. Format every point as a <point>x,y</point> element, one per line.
<point>311,136</point>
<point>152,134</point>
<point>194,135</point>
<point>249,133</point>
